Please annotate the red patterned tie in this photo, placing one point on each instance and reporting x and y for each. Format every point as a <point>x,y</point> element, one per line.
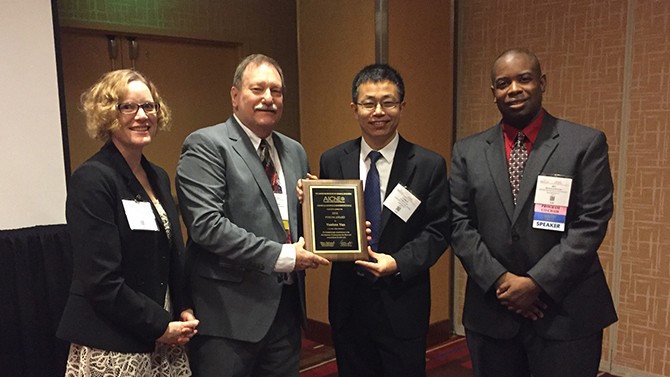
<point>269,166</point>
<point>517,162</point>
<point>273,177</point>
<point>271,172</point>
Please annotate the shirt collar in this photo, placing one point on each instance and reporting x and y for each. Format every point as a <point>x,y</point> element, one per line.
<point>255,140</point>
<point>531,130</point>
<point>388,152</point>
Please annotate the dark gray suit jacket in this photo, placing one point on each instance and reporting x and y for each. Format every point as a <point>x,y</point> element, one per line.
<point>416,244</point>
<point>235,229</point>
<point>491,236</point>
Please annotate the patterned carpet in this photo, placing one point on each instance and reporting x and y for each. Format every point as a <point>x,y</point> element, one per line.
<point>447,359</point>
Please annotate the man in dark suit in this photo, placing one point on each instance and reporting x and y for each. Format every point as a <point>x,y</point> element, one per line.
<point>536,300</point>
<point>232,183</point>
<point>379,309</point>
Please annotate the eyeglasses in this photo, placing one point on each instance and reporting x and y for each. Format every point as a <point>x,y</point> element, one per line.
<point>371,106</point>
<point>132,107</point>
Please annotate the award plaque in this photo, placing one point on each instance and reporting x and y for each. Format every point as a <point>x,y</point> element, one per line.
<point>333,217</point>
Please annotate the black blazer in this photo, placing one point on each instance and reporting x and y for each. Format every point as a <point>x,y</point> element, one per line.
<point>491,235</point>
<point>120,275</point>
<point>416,245</point>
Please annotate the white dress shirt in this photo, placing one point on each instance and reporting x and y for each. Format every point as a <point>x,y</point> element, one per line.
<point>384,163</point>
<point>286,260</point>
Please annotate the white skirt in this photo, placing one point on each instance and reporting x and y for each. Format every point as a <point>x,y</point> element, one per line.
<point>165,361</point>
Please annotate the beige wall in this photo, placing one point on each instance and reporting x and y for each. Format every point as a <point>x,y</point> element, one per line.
<point>333,47</point>
<point>607,67</point>
<point>421,47</point>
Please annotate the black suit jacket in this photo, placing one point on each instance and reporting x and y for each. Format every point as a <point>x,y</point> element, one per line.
<point>120,275</point>
<point>416,245</point>
<point>491,235</point>
<point>235,229</point>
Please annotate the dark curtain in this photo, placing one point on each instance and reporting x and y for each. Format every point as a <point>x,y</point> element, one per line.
<point>35,274</point>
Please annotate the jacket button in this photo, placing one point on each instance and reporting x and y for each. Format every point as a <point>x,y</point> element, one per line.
<point>515,237</point>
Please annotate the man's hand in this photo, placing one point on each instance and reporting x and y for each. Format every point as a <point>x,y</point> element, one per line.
<point>384,266</point>
<point>368,230</point>
<point>521,295</point>
<point>305,259</point>
<point>298,187</point>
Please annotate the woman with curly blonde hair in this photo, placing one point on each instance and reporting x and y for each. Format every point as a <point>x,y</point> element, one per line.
<point>127,312</point>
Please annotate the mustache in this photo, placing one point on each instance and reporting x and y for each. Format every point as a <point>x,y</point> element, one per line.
<point>266,107</point>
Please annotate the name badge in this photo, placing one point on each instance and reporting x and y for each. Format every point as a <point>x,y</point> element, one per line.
<point>402,202</point>
<point>140,215</point>
<point>552,196</point>
<point>282,203</point>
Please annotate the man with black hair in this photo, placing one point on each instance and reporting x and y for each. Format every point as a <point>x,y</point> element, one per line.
<point>379,309</point>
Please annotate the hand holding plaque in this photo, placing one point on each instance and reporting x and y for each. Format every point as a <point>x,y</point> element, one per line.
<point>334,219</point>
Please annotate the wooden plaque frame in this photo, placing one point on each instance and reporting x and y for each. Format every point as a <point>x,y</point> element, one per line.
<point>333,218</point>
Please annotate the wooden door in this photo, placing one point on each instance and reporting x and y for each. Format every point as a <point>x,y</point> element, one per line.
<point>193,77</point>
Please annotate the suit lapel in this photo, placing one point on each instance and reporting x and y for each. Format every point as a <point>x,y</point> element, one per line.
<point>349,161</point>
<point>243,147</point>
<point>496,159</point>
<point>135,187</point>
<point>402,172</point>
<point>544,146</point>
<point>120,165</point>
